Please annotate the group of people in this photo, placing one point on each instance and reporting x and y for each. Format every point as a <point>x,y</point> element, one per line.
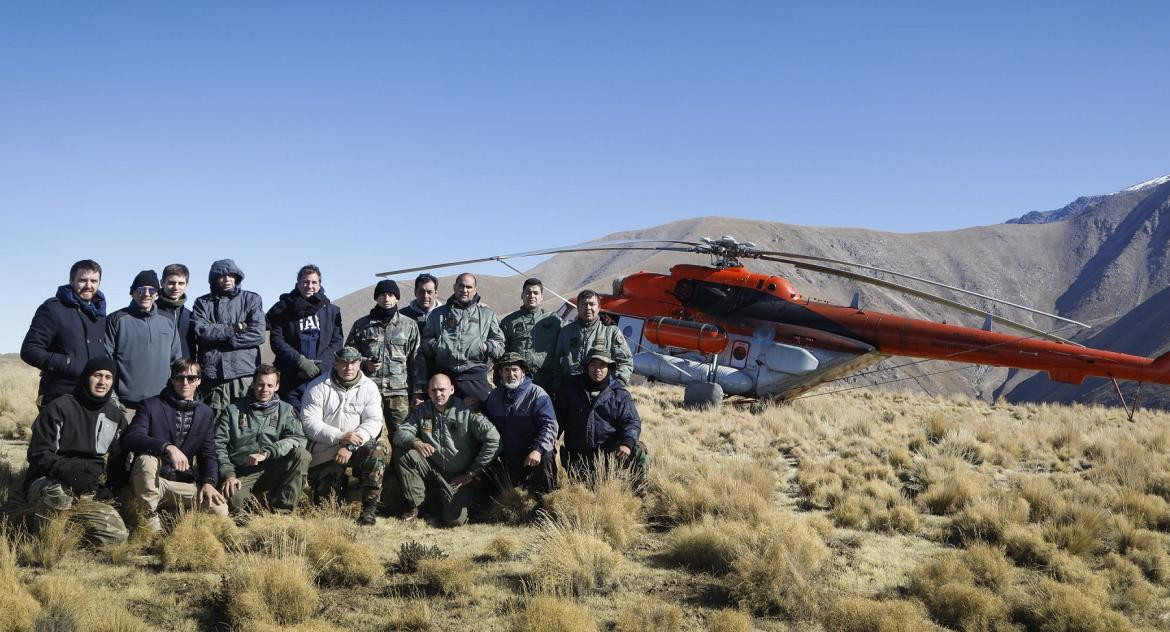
<point>160,406</point>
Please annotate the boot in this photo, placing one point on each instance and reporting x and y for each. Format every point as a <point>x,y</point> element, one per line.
<point>153,523</point>
<point>369,507</point>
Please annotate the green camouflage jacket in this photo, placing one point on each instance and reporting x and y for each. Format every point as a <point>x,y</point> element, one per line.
<point>395,343</point>
<point>575,342</point>
<point>460,338</point>
<point>533,334</point>
<point>241,429</point>
<point>464,441</point>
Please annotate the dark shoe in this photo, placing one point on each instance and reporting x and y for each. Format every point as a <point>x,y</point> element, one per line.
<point>409,515</point>
<point>367,518</point>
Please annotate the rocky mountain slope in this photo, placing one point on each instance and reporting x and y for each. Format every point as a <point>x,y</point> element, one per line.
<point>1100,260</point>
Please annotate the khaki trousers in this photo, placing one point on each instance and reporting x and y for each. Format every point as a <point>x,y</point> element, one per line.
<point>153,492</point>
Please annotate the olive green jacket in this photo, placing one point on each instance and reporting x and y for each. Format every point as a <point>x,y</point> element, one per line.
<point>464,440</point>
<point>457,339</point>
<point>241,430</point>
<point>533,334</point>
<point>575,342</point>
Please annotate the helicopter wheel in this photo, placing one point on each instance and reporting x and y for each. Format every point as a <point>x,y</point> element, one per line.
<point>703,395</point>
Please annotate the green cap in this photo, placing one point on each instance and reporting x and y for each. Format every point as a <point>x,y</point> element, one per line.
<point>348,354</point>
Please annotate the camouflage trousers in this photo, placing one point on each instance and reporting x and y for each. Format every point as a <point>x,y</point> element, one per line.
<point>367,465</point>
<point>280,481</point>
<point>584,465</point>
<point>100,523</point>
<point>395,408</point>
<point>418,477</point>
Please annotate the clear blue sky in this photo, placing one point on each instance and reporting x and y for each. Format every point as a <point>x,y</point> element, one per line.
<point>368,136</point>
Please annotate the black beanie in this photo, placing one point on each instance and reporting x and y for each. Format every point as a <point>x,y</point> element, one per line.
<point>99,364</point>
<point>146,278</point>
<point>387,285</point>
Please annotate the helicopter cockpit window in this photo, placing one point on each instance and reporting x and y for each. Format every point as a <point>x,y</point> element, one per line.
<point>715,298</point>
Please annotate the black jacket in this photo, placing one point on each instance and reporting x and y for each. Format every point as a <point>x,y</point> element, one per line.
<point>63,336</point>
<point>154,427</point>
<point>71,438</point>
<point>284,322</point>
<point>609,421</point>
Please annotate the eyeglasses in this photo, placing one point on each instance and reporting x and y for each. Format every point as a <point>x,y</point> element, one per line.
<point>146,290</point>
<point>186,378</point>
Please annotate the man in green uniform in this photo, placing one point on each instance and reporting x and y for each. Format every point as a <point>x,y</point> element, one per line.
<point>532,332</point>
<point>586,334</point>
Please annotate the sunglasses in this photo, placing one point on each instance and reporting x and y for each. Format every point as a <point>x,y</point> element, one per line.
<point>186,378</point>
<point>146,290</point>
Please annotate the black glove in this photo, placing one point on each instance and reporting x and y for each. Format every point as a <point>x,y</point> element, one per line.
<point>83,476</point>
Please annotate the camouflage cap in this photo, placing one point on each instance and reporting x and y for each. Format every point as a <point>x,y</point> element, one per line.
<point>598,354</point>
<point>348,354</point>
<point>513,358</point>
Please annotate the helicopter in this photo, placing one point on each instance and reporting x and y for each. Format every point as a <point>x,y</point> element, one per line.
<point>722,329</point>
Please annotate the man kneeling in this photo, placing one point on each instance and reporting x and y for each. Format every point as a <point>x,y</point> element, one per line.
<point>175,464</point>
<point>522,413</point>
<point>445,448</point>
<point>261,447</point>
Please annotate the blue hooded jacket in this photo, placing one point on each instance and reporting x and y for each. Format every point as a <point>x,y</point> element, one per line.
<point>525,418</point>
<point>226,352</point>
<point>608,421</point>
<point>65,334</point>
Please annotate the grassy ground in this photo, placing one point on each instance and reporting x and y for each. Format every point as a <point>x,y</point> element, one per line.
<point>854,511</point>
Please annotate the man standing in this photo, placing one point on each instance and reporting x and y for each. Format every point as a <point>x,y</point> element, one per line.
<point>261,447</point>
<point>389,342</point>
<point>342,416</point>
<point>577,339</point>
<point>142,343</point>
<point>171,303</point>
<point>229,329</point>
<point>73,438</point>
<point>445,447</point>
<point>599,419</point>
<point>66,332</point>
<point>460,338</point>
<point>306,334</point>
<point>522,413</point>
<point>172,438</point>
<point>426,290</point>
<point>532,332</point>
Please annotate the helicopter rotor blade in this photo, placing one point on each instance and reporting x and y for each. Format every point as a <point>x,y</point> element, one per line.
<point>626,244</point>
<point>920,294</point>
<point>792,255</point>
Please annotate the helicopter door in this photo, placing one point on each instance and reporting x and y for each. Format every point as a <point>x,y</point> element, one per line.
<point>631,328</point>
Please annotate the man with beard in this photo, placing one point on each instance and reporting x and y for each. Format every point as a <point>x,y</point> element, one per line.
<point>587,333</point>
<point>229,329</point>
<point>446,447</point>
<point>66,332</point>
<point>600,420</point>
<point>305,334</point>
<point>261,447</point>
<point>522,413</point>
<point>532,332</point>
<point>73,438</point>
<point>343,419</point>
<point>426,292</point>
<point>172,437</point>
<point>171,303</point>
<point>460,338</point>
<point>142,343</point>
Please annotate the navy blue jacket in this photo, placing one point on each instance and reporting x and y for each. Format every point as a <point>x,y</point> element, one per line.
<point>62,338</point>
<point>153,428</point>
<point>227,354</point>
<point>525,418</point>
<point>285,320</point>
<point>609,421</point>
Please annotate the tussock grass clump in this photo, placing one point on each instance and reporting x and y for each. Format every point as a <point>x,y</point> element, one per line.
<point>513,505</point>
<point>948,587</point>
<point>685,490</point>
<point>710,544</point>
<point>605,506</point>
<point>650,615</point>
<point>729,621</point>
<point>56,538</point>
<point>937,426</point>
<point>1128,589</point>
<point>988,518</point>
<point>1145,510</point>
<point>1145,549</point>
<point>340,561</point>
<point>327,541</point>
<point>18,394</point>
<point>269,590</point>
<point>1078,528</point>
<point>18,608</point>
<point>1028,548</point>
<point>67,604</point>
<point>412,616</point>
<point>503,547</point>
<point>1049,606</point>
<point>196,543</point>
<point>545,613</point>
<point>412,552</point>
<point>1044,501</point>
<point>782,570</point>
<point>989,567</point>
<point>871,615</point>
<point>568,562</point>
<point>949,485</point>
<point>449,577</point>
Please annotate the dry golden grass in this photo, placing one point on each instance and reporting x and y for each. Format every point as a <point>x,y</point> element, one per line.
<point>18,392</point>
<point>605,507</point>
<point>852,511</point>
<point>53,542</point>
<point>196,543</point>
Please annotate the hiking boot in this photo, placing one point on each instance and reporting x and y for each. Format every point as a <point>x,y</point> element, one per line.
<point>369,508</point>
<point>153,523</point>
<point>409,515</point>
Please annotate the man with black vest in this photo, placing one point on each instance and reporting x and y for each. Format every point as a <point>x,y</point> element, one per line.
<point>173,440</point>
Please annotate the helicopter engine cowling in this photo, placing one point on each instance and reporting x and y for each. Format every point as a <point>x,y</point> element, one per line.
<point>675,370</point>
<point>685,334</point>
